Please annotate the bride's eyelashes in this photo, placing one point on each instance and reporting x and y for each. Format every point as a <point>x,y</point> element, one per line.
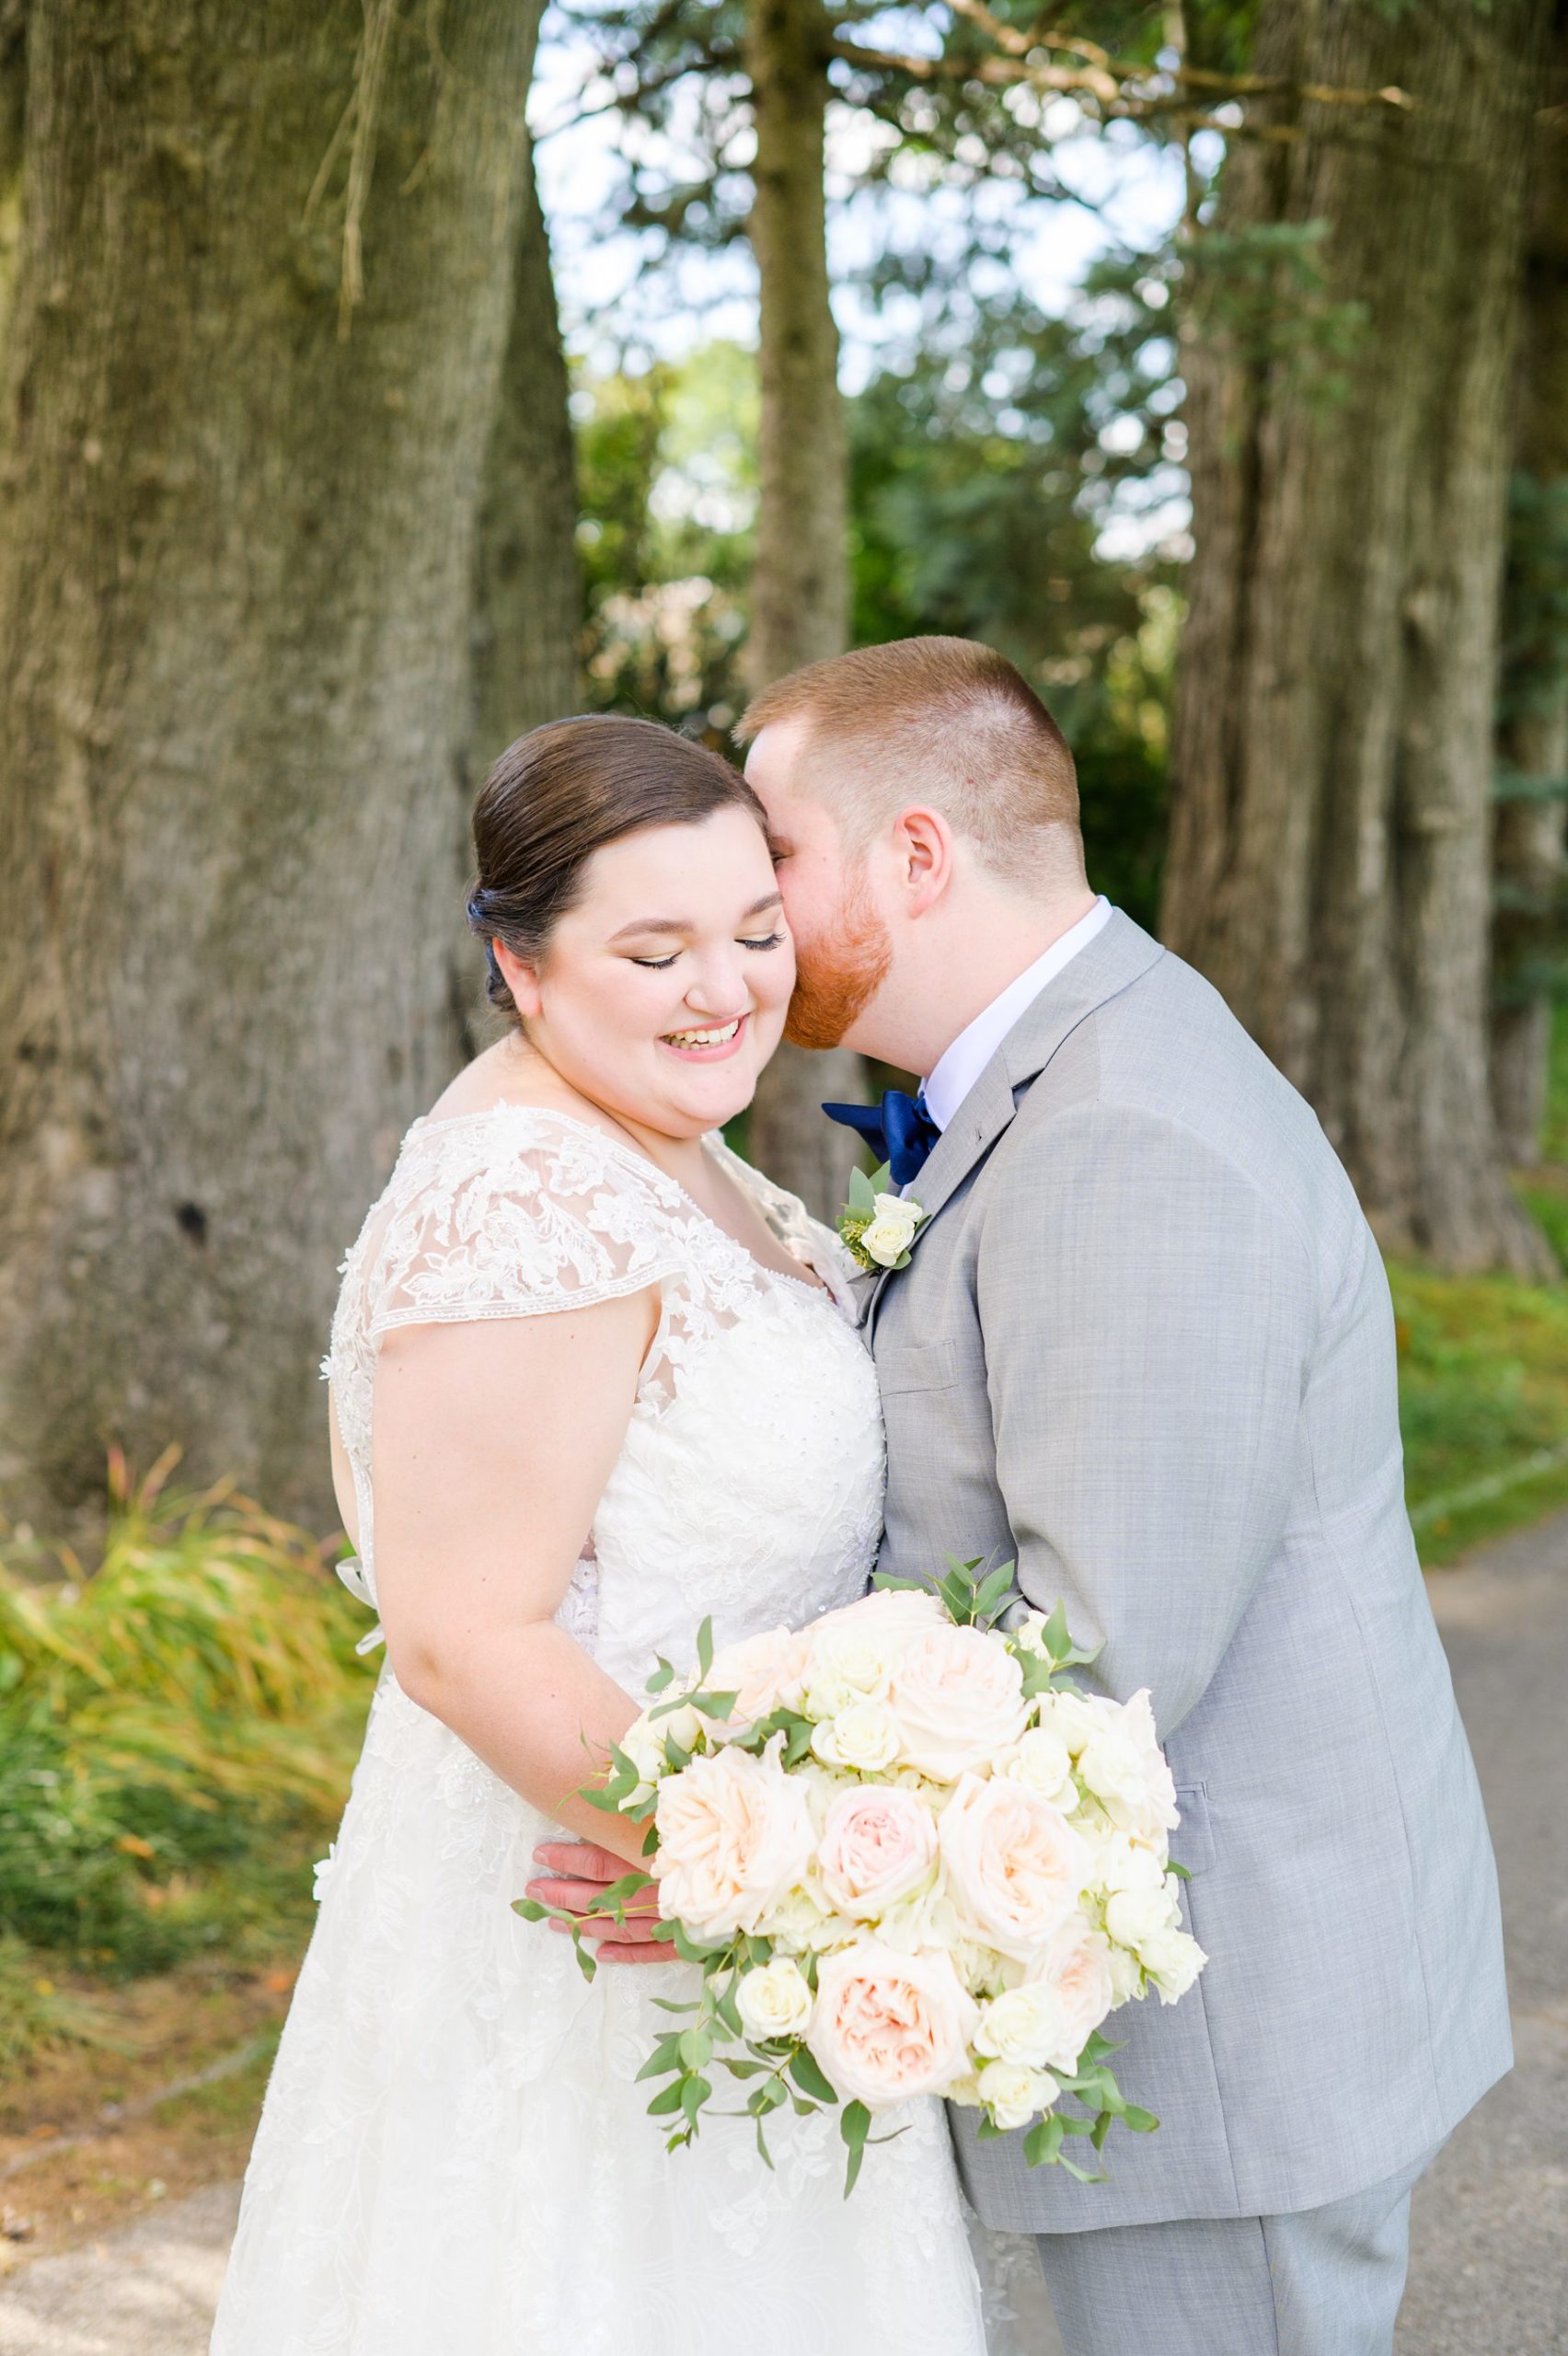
<point>663,964</point>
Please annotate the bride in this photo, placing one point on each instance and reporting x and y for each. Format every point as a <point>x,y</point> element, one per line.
<point>591,1379</point>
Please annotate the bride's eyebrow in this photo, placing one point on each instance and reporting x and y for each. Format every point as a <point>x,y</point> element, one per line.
<point>644,926</point>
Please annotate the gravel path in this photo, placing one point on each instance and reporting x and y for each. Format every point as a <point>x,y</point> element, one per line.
<point>1489,2264</point>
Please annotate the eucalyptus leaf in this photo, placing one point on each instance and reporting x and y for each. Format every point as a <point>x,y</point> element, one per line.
<point>808,2077</point>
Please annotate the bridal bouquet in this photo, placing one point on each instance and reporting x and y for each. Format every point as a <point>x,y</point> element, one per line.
<point>909,1857</point>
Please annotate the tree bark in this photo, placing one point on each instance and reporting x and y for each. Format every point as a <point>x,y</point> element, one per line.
<point>801,593</point>
<point>13,109</point>
<point>1330,858</point>
<point>1532,742</point>
<point>529,597</point>
<point>236,571</point>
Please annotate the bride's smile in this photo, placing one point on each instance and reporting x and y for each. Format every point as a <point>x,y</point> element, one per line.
<point>662,988</point>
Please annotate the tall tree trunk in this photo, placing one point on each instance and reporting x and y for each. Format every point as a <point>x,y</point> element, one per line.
<point>1330,859</point>
<point>13,109</point>
<point>237,572</point>
<point>1529,861</point>
<point>801,594</point>
<point>529,597</point>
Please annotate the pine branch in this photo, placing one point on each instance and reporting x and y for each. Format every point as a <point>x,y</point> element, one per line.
<point>1114,83</point>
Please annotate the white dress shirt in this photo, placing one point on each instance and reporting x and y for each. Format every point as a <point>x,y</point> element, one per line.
<point>960,1066</point>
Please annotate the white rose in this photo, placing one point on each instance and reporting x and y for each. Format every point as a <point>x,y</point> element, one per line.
<point>1122,1863</point>
<point>847,1663</point>
<point>1123,1766</point>
<point>1074,1716</point>
<point>1013,2095</point>
<point>864,1736</point>
<point>1127,1974</point>
<point>892,1231</point>
<point>1136,1918</point>
<point>644,1746</point>
<point>1023,2025</point>
<point>1138,1720</point>
<point>958,1694</point>
<point>734,1835</point>
<point>773,2001</point>
<point>1013,1863</point>
<point>1173,1960</point>
<point>1028,1630</point>
<point>1079,1969</point>
<point>682,1727</point>
<point>1040,1758</point>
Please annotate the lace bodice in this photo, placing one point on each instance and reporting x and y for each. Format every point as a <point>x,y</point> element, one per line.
<point>749,1486</point>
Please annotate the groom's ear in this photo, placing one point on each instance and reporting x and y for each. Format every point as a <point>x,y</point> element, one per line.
<point>924,850</point>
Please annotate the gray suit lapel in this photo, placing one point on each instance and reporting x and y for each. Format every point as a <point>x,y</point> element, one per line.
<point>1115,957</point>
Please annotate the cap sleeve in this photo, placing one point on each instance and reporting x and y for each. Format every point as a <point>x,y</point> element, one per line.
<point>515,1213</point>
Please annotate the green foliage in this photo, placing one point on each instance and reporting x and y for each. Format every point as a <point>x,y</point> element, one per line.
<point>177,1729</point>
<point>1534,651</point>
<point>667,473</point>
<point>1263,295</point>
<point>1011,476</point>
<point>1484,1403</point>
<point>36,2015</point>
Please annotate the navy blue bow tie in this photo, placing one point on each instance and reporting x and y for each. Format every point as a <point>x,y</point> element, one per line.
<point>900,1131</point>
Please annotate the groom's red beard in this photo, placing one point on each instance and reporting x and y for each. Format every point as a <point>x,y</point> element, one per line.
<point>838,976</point>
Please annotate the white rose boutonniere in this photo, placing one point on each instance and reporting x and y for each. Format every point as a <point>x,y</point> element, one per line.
<point>879,1227</point>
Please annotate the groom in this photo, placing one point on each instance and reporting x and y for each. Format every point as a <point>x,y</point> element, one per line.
<point>1145,1344</point>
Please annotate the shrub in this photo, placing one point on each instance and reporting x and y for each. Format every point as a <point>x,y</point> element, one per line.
<point>179,1721</point>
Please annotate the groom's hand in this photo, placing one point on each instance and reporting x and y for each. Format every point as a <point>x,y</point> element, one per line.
<point>577,1872</point>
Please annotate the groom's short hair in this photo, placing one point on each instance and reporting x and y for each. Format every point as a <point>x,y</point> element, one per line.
<point>941,719</point>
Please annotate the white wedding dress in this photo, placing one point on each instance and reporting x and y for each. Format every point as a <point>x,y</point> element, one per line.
<point>454,2157</point>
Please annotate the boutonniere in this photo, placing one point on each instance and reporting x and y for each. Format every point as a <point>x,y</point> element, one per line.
<point>878,1228</point>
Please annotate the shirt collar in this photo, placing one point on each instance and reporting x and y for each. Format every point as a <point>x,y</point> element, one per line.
<point>958,1069</point>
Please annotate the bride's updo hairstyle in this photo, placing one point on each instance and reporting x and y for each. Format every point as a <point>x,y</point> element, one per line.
<point>564,791</point>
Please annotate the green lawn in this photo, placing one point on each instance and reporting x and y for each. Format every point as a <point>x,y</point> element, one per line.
<point>1483,1375</point>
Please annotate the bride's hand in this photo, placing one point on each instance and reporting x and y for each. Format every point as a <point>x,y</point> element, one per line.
<point>582,1872</point>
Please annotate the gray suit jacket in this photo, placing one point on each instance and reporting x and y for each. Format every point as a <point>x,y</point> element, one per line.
<point>1145,1345</point>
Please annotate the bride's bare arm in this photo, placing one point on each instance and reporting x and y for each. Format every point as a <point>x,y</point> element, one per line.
<point>493,1442</point>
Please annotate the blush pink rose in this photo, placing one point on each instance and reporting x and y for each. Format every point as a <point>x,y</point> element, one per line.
<point>734,1835</point>
<point>1077,1968</point>
<point>1014,1865</point>
<point>761,1672</point>
<point>887,2027</point>
<point>878,1844</point>
<point>894,1610</point>
<point>958,1694</point>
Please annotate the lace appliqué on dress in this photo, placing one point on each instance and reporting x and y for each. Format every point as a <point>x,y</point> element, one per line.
<point>454,2152</point>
